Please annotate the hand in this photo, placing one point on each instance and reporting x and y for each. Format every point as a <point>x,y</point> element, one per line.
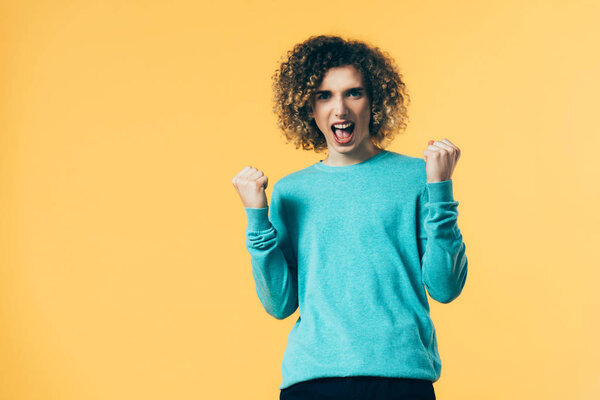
<point>250,184</point>
<point>441,158</point>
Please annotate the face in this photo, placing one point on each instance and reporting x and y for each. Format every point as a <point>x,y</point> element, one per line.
<point>342,99</point>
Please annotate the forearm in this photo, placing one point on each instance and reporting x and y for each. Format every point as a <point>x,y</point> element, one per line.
<point>274,275</point>
<point>444,262</point>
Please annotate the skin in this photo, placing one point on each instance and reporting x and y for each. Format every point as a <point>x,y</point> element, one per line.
<point>250,184</point>
<point>441,158</point>
<point>341,100</point>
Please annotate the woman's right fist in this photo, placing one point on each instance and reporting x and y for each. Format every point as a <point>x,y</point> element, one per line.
<point>250,184</point>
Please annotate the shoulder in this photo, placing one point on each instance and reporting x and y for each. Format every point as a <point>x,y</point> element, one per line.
<point>405,159</point>
<point>295,181</point>
<point>409,165</point>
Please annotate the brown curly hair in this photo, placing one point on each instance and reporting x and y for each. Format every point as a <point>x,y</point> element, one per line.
<point>300,74</point>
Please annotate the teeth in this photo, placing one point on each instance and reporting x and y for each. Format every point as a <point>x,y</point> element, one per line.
<point>342,126</point>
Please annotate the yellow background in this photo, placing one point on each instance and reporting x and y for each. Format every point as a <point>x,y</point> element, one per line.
<point>123,268</point>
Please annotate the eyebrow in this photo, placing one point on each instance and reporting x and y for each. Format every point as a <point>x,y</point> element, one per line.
<point>349,90</point>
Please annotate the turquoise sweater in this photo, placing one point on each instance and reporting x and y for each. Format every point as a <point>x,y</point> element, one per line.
<point>354,247</point>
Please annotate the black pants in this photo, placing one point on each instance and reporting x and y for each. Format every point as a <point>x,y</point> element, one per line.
<point>360,388</point>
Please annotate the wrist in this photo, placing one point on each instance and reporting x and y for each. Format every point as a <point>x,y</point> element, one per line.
<point>258,218</point>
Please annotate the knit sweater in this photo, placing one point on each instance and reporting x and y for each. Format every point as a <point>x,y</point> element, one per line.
<point>354,247</point>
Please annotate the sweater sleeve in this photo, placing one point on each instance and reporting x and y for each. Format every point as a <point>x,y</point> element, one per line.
<point>274,267</point>
<point>442,250</point>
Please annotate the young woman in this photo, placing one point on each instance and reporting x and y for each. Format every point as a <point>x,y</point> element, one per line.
<point>353,240</point>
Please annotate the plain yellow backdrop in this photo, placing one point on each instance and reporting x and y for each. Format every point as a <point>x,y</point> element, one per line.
<point>123,268</point>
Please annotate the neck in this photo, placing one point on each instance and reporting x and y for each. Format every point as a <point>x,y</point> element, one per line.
<point>335,159</point>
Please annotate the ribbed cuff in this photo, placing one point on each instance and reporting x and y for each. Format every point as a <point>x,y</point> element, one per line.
<point>258,219</point>
<point>440,191</point>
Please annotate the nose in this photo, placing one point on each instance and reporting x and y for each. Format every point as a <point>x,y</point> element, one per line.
<point>340,108</point>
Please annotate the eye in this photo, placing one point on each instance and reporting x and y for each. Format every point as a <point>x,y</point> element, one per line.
<point>355,92</point>
<point>320,96</point>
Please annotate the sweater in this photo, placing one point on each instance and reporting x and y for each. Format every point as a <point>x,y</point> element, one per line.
<point>354,247</point>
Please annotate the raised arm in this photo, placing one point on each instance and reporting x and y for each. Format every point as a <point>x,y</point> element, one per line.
<point>441,248</point>
<point>274,265</point>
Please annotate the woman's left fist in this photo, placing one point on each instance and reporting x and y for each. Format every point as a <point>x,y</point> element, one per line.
<point>441,158</point>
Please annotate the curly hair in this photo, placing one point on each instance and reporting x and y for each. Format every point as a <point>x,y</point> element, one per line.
<point>300,74</point>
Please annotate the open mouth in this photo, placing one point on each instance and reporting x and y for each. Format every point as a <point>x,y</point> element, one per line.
<point>343,133</point>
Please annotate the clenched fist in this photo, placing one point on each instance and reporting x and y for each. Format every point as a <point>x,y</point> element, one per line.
<point>250,184</point>
<point>440,158</point>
